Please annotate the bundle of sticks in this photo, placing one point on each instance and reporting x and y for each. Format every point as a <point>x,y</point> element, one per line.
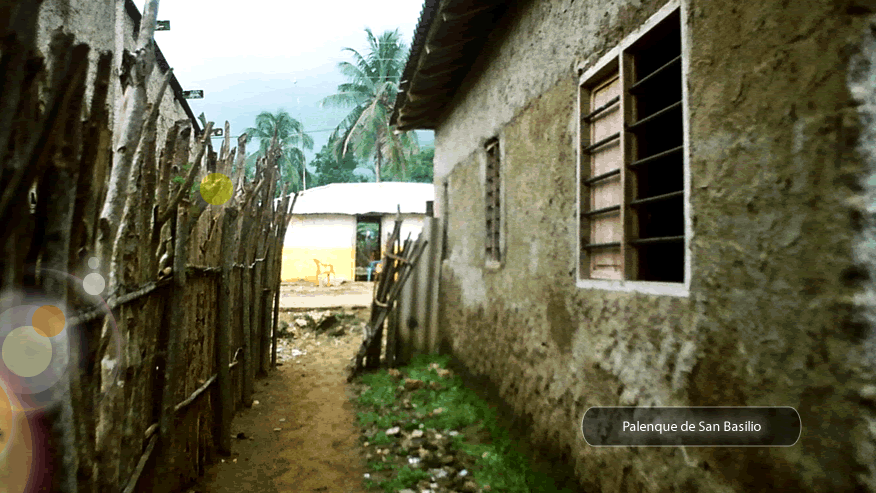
<point>398,264</point>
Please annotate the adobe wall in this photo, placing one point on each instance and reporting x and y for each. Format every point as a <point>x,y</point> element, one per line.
<point>775,314</point>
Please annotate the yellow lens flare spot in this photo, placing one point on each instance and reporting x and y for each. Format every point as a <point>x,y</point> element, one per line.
<point>216,188</point>
<point>48,320</point>
<point>25,352</point>
<point>6,422</point>
<point>16,448</point>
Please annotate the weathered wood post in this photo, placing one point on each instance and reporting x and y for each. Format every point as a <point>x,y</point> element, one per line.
<point>256,302</point>
<point>59,197</point>
<point>174,340</point>
<point>93,161</point>
<point>247,252</point>
<point>223,336</point>
<point>261,270</point>
<point>268,304</point>
<point>281,238</point>
<point>254,279</point>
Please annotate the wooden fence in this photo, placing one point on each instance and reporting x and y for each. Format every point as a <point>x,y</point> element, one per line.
<point>413,323</point>
<point>169,303</point>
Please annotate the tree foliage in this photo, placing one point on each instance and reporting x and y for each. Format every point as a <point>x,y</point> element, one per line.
<point>291,139</point>
<point>419,170</point>
<point>371,91</point>
<point>330,170</point>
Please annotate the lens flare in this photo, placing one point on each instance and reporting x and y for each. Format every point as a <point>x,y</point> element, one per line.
<point>49,320</point>
<point>6,420</point>
<point>16,446</point>
<point>216,188</point>
<point>26,352</point>
<point>94,283</point>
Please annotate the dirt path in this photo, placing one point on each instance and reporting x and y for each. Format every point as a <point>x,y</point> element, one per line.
<point>301,436</point>
<point>302,294</point>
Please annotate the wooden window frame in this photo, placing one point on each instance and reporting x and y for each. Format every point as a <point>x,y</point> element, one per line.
<point>619,61</point>
<point>493,204</point>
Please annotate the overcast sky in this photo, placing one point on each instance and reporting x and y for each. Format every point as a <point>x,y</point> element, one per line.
<point>259,55</point>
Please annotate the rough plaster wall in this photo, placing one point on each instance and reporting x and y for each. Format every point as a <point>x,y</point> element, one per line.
<point>550,38</point>
<point>772,317</point>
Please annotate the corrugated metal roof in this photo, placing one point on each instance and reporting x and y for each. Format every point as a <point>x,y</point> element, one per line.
<point>365,198</point>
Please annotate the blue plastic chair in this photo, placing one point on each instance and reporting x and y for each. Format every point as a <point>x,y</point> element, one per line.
<point>371,268</point>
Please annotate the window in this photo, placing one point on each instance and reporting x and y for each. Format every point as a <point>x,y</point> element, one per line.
<point>493,212</point>
<point>631,159</point>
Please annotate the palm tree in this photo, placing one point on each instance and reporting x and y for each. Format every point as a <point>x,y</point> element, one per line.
<point>371,91</point>
<point>291,139</point>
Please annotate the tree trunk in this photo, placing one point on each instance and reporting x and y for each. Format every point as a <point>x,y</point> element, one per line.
<point>377,167</point>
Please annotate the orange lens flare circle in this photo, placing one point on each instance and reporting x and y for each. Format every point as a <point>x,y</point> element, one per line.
<point>48,320</point>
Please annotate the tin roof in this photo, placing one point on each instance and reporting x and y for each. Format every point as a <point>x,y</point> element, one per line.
<point>365,198</point>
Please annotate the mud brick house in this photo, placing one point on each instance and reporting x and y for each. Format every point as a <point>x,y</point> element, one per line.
<point>660,203</point>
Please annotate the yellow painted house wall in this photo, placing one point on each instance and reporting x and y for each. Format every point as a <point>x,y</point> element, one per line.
<point>331,239</point>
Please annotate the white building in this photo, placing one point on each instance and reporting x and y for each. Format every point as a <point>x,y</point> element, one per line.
<point>322,229</point>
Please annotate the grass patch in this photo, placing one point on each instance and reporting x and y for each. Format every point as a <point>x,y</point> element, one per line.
<point>443,404</point>
<point>377,465</point>
<point>382,420</point>
<point>381,438</point>
<point>405,478</point>
<point>380,391</point>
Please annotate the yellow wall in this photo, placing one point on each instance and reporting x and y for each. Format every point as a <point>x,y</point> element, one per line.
<point>329,238</point>
<point>298,262</point>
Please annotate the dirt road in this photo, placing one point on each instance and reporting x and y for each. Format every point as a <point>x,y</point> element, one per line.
<point>303,294</point>
<point>301,436</point>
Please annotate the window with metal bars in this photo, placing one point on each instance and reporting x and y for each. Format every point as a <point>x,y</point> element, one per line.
<point>631,161</point>
<point>493,202</point>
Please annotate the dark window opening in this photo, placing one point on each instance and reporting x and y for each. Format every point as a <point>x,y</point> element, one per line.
<point>368,235</point>
<point>493,202</point>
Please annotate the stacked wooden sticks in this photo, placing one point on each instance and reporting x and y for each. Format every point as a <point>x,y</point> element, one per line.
<point>398,263</point>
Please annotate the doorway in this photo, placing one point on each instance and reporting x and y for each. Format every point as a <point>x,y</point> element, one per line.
<point>368,235</point>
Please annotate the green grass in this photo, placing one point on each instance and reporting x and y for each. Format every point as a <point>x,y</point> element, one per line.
<point>382,420</point>
<point>405,478</point>
<point>381,438</point>
<point>381,391</point>
<point>376,465</point>
<point>498,463</point>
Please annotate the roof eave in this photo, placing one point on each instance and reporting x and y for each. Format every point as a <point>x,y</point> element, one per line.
<point>448,39</point>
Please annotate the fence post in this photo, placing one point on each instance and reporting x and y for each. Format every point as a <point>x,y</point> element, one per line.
<point>254,313</point>
<point>177,316</point>
<point>267,302</point>
<point>223,336</point>
<point>246,297</point>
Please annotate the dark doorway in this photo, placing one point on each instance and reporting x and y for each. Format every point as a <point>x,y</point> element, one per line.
<point>367,245</point>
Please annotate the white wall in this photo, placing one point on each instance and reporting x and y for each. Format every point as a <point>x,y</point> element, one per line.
<point>321,231</point>
<point>411,223</point>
